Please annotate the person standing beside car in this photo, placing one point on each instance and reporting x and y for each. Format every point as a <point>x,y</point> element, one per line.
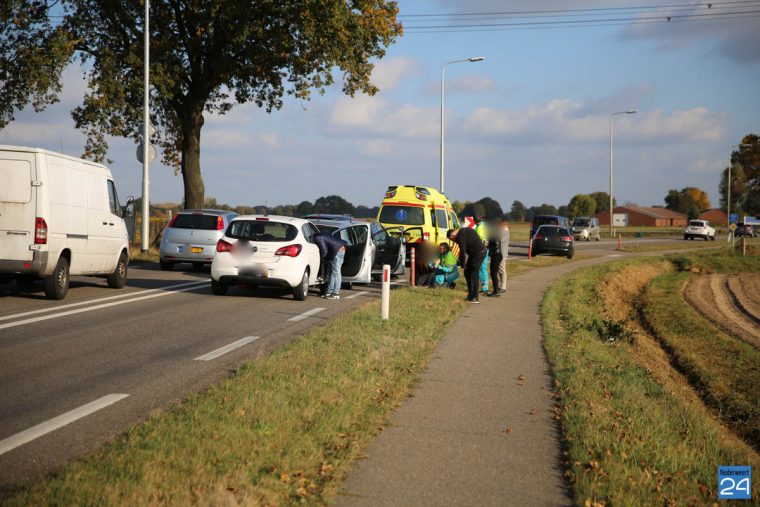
<point>472,253</point>
<point>498,248</point>
<point>332,251</point>
<point>482,230</point>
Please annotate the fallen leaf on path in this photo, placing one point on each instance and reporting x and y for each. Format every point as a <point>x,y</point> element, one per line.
<point>508,430</point>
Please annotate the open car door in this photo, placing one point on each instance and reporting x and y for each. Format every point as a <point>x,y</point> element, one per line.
<point>396,233</point>
<point>357,265</point>
<point>387,249</point>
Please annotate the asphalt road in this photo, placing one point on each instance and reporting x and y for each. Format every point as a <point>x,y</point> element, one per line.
<point>129,351</point>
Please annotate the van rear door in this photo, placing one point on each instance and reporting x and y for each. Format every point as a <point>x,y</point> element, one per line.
<point>18,205</point>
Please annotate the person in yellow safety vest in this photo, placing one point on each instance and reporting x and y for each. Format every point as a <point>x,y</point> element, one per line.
<point>480,228</point>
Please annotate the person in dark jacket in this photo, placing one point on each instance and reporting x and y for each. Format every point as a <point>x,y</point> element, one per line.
<point>332,250</point>
<point>472,253</point>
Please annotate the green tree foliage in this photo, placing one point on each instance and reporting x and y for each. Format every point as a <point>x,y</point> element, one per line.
<point>207,56</point>
<point>518,212</point>
<point>33,53</point>
<point>333,204</point>
<point>544,209</point>
<point>581,205</point>
<point>602,200</point>
<point>690,201</point>
<point>486,207</point>
<point>745,178</point>
<point>458,207</point>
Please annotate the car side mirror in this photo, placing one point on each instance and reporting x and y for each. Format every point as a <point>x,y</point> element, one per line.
<point>128,210</point>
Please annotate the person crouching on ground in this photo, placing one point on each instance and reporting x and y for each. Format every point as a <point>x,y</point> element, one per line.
<point>424,264</point>
<point>332,250</point>
<point>446,272</point>
<point>471,255</point>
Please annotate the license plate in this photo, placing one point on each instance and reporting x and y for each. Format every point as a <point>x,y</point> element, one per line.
<point>196,249</point>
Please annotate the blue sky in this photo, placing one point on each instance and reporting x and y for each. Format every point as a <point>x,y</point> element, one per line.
<point>531,122</point>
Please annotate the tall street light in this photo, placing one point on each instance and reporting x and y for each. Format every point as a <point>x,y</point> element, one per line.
<point>145,231</point>
<point>728,187</point>
<point>612,116</point>
<point>443,77</point>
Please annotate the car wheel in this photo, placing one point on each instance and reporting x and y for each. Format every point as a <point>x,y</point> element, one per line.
<point>349,285</point>
<point>218,288</point>
<point>118,278</point>
<point>166,265</point>
<point>712,238</point>
<point>707,238</point>
<point>57,284</point>
<point>588,238</point>
<point>570,254</point>
<point>302,289</point>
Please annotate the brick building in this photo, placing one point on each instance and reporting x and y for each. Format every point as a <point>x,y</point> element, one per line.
<point>637,216</point>
<point>714,216</point>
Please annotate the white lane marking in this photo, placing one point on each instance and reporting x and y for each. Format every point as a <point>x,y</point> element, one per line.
<point>227,348</point>
<point>306,315</point>
<point>120,296</point>
<point>97,307</point>
<point>354,296</point>
<point>55,423</point>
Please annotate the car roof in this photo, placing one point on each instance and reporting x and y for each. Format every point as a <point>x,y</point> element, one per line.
<point>328,216</point>
<point>205,212</point>
<point>340,223</point>
<point>274,218</point>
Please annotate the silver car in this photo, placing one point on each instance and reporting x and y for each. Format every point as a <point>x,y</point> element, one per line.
<point>192,236</point>
<point>586,228</point>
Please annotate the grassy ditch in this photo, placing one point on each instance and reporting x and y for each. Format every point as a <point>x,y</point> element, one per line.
<point>632,438</point>
<point>284,429</point>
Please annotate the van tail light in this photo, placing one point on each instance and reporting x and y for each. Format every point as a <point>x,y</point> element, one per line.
<point>567,238</point>
<point>174,219</point>
<point>219,223</point>
<point>40,231</point>
<point>224,246</point>
<point>426,236</point>
<point>289,251</point>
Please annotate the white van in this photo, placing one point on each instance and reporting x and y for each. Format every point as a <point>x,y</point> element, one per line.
<point>59,216</point>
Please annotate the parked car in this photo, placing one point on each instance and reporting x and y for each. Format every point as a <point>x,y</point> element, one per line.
<point>328,216</point>
<point>699,229</point>
<point>59,216</point>
<point>553,239</point>
<point>191,236</point>
<point>540,220</point>
<point>272,250</point>
<point>379,247</point>
<point>743,229</point>
<point>586,228</point>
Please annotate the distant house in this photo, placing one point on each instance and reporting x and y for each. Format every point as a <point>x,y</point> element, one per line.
<point>636,216</point>
<point>714,216</point>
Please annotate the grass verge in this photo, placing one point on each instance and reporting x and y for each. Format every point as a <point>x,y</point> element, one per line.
<point>137,255</point>
<point>284,429</point>
<point>630,440</point>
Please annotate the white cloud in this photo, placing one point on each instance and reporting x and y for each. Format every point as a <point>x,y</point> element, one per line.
<point>239,140</point>
<point>560,121</point>
<point>389,72</point>
<point>364,115</point>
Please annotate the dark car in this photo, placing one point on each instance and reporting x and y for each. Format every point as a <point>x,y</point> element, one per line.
<point>743,229</point>
<point>554,240</point>
<point>540,220</point>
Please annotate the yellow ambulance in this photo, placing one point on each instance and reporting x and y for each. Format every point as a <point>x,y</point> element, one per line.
<point>417,213</point>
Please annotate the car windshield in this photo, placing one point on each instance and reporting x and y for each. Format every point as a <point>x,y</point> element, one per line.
<point>696,223</point>
<point>195,221</point>
<point>259,230</point>
<point>406,215</point>
<point>581,222</point>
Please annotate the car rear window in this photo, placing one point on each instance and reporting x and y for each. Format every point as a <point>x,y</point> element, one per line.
<point>696,223</point>
<point>581,222</point>
<point>553,231</point>
<point>193,221</point>
<point>259,230</point>
<point>545,220</point>
<point>407,215</point>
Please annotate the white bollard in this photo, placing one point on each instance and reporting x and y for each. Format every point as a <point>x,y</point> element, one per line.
<point>385,293</point>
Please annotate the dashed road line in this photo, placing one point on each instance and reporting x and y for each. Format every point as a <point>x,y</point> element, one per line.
<point>91,301</point>
<point>98,307</point>
<point>360,293</point>
<point>306,315</point>
<point>60,421</point>
<point>227,348</point>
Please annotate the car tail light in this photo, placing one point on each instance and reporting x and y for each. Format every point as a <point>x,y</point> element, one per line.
<point>219,223</point>
<point>262,219</point>
<point>567,238</point>
<point>538,236</point>
<point>426,236</point>
<point>224,246</point>
<point>40,231</point>
<point>289,251</point>
<point>174,219</point>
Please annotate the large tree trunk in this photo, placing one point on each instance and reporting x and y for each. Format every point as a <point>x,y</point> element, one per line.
<point>192,122</point>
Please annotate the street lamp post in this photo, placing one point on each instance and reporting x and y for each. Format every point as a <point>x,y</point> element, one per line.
<point>728,188</point>
<point>145,230</point>
<point>443,76</point>
<point>611,200</point>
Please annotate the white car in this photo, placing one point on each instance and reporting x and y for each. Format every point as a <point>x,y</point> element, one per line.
<point>699,229</point>
<point>266,250</point>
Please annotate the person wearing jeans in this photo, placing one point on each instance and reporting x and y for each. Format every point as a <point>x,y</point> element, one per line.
<point>336,278</point>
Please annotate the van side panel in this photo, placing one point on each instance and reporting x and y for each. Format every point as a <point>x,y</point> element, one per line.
<point>18,200</point>
<point>67,220</point>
